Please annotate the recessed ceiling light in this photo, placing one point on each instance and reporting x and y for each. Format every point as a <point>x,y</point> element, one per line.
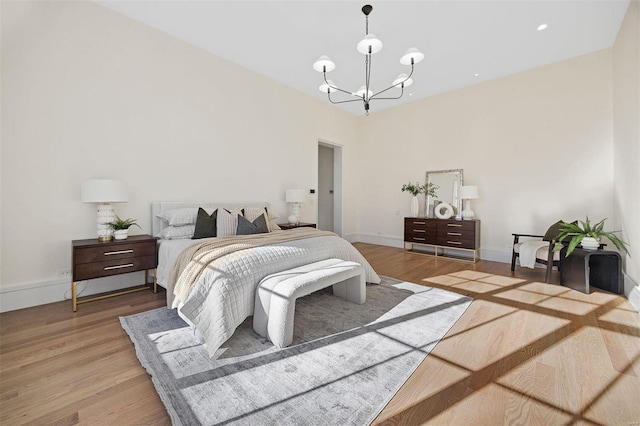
<point>476,74</point>
<point>410,94</point>
<point>542,27</point>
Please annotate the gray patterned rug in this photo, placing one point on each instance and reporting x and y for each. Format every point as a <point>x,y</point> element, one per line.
<point>345,364</point>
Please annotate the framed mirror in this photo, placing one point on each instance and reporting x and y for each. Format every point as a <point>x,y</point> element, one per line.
<point>449,183</point>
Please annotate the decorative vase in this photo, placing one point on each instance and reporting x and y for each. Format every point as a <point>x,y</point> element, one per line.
<point>590,243</point>
<point>415,207</point>
<point>121,234</point>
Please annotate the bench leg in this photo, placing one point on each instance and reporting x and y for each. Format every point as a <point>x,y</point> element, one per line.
<point>280,323</point>
<point>354,289</point>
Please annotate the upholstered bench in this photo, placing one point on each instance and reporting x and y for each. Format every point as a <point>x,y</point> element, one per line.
<point>277,293</point>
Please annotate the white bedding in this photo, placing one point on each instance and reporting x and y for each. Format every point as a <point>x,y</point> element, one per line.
<point>223,297</point>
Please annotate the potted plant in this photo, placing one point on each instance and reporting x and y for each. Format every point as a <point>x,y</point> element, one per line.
<point>587,235</point>
<point>414,189</point>
<point>121,227</point>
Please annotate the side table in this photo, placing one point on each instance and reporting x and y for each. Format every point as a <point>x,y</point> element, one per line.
<point>584,269</point>
<point>94,259</point>
<point>296,225</point>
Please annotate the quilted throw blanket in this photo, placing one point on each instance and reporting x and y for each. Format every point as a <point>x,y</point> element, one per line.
<point>215,281</point>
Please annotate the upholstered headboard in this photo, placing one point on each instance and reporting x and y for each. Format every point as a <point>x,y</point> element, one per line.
<point>158,207</point>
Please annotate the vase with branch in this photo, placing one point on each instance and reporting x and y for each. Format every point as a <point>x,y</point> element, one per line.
<point>414,189</point>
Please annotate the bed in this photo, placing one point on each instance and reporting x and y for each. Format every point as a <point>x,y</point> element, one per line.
<point>212,281</point>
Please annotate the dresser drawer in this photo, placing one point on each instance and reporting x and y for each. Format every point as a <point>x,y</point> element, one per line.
<point>113,252</point>
<point>87,271</point>
<point>461,234</point>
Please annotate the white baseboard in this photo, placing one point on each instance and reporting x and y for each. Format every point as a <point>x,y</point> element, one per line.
<point>27,295</point>
<point>632,291</point>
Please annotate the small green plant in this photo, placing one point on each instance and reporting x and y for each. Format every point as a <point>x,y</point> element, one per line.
<point>414,188</point>
<point>119,223</point>
<point>577,231</point>
<point>431,188</point>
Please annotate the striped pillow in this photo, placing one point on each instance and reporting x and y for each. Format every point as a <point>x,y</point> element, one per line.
<point>227,222</point>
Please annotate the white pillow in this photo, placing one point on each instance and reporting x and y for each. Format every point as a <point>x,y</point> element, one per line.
<point>227,222</point>
<point>177,217</point>
<point>273,226</point>
<point>177,232</point>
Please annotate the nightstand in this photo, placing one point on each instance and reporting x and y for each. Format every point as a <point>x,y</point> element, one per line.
<point>299,225</point>
<point>94,259</point>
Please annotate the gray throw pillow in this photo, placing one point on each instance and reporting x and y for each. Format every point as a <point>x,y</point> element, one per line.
<point>258,226</point>
<point>205,224</point>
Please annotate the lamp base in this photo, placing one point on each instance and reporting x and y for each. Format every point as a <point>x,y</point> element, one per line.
<point>106,214</point>
<point>467,213</point>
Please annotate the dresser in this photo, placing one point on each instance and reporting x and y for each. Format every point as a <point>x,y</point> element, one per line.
<point>94,259</point>
<point>443,234</point>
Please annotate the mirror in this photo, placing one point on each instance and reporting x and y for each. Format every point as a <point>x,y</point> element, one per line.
<point>449,183</point>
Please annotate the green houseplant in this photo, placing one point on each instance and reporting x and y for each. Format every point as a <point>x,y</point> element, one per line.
<point>580,232</point>
<point>121,227</point>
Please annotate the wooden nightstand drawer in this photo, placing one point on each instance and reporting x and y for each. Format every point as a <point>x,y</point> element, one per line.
<point>121,251</point>
<point>87,271</point>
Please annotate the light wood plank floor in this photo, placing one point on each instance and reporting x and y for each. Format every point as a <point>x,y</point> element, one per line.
<point>524,352</point>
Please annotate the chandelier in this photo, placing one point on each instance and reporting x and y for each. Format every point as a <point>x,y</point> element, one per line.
<point>369,45</point>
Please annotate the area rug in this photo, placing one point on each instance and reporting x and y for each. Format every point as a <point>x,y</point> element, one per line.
<point>345,364</point>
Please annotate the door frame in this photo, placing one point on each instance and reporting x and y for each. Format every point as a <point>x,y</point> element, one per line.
<point>338,201</point>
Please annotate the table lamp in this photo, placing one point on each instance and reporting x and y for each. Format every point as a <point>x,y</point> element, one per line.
<point>103,192</point>
<point>468,192</point>
<point>295,197</point>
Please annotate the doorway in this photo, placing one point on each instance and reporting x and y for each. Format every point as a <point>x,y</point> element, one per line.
<point>330,187</point>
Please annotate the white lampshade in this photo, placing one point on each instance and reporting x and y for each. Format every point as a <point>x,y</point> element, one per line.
<point>369,40</point>
<point>468,192</point>
<point>104,191</point>
<point>324,87</point>
<point>411,53</point>
<point>324,61</point>
<point>402,78</point>
<point>361,91</point>
<point>296,195</point>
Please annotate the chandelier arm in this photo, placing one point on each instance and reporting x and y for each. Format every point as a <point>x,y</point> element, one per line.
<point>394,85</point>
<point>368,78</point>
<point>335,87</point>
<point>342,102</point>
<point>398,97</point>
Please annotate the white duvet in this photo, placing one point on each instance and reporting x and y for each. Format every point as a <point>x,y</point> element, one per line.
<point>223,296</point>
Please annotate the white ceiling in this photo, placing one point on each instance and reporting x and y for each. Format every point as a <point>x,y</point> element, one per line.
<point>282,39</point>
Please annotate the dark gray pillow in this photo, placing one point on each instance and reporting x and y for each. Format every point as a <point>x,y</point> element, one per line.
<point>258,226</point>
<point>205,224</point>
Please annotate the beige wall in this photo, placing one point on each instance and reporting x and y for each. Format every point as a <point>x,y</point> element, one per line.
<point>626,133</point>
<point>538,145</point>
<point>89,93</point>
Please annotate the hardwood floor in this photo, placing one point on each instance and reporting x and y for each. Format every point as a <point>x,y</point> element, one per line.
<point>524,352</point>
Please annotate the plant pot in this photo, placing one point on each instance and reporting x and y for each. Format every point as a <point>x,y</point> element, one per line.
<point>121,234</point>
<point>590,243</point>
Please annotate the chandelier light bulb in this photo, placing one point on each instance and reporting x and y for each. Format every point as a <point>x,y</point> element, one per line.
<point>402,78</point>
<point>411,53</point>
<point>361,91</point>
<point>322,62</point>
<point>369,40</point>
<point>324,87</point>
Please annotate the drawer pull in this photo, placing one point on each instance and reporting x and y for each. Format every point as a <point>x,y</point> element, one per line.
<point>419,223</point>
<point>109,253</point>
<point>454,233</point>
<point>109,268</point>
<point>418,238</point>
<point>454,242</point>
<point>419,230</point>
<point>454,224</point>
